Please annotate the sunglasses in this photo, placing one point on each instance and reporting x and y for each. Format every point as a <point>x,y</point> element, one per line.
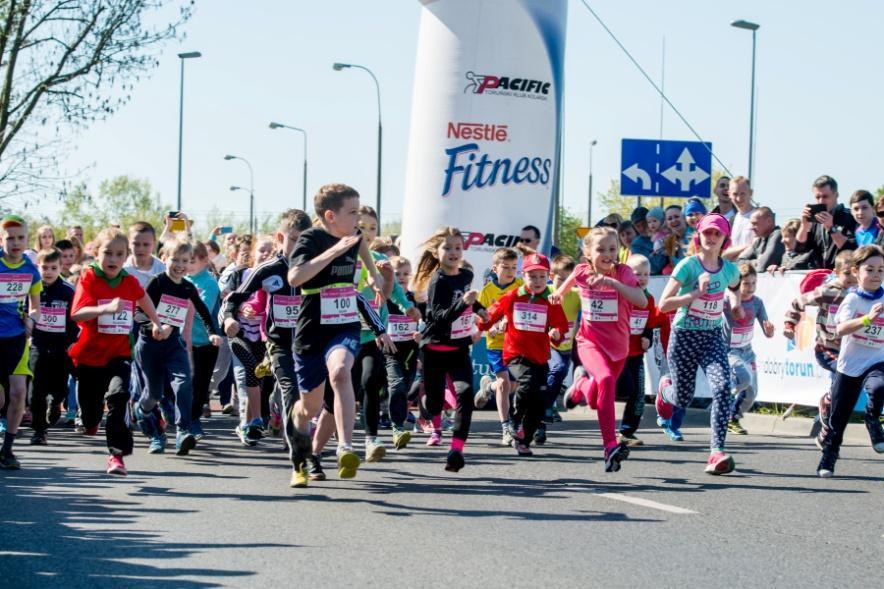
<point>880,214</point>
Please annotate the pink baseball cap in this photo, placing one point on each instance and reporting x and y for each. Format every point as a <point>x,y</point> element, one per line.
<point>535,262</point>
<point>714,221</point>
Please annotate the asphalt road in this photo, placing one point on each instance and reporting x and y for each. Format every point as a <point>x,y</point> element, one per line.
<point>225,516</point>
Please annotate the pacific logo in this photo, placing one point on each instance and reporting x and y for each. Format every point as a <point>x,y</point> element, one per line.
<point>485,83</point>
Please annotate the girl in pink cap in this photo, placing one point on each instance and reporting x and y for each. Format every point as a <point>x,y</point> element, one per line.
<point>697,289</point>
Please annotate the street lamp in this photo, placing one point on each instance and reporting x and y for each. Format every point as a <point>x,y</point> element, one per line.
<point>182,57</point>
<point>340,66</point>
<point>252,226</point>
<point>589,210</point>
<point>302,131</point>
<point>750,26</point>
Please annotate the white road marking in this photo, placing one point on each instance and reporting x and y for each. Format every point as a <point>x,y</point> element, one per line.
<point>647,503</point>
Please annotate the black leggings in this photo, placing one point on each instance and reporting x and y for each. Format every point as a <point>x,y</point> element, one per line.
<point>204,359</point>
<point>401,368</point>
<point>369,376</point>
<point>528,405</point>
<point>631,385</point>
<point>107,384</point>
<point>250,354</point>
<point>457,364</point>
<point>845,393</point>
<point>51,369</point>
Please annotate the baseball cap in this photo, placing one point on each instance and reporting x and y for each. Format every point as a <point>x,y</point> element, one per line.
<point>535,262</point>
<point>638,214</point>
<point>694,206</point>
<point>12,221</point>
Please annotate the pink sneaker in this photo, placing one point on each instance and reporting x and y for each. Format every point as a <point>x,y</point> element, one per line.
<point>664,409</point>
<point>115,465</point>
<point>425,425</point>
<point>719,463</point>
<point>435,439</point>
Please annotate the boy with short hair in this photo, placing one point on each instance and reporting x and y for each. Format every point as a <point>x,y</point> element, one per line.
<point>532,321</point>
<point>504,264</point>
<point>868,230</point>
<point>19,284</point>
<point>326,340</point>
<point>142,264</point>
<point>68,256</point>
<point>53,334</point>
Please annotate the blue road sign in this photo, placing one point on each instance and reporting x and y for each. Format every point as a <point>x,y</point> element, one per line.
<point>665,168</point>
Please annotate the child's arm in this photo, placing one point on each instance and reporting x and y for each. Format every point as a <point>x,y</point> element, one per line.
<point>558,322</point>
<point>300,274</point>
<point>853,325</point>
<point>159,331</point>
<point>669,301</point>
<point>556,297</point>
<point>33,311</point>
<point>187,330</point>
<point>633,294</point>
<point>495,313</point>
<point>89,313</point>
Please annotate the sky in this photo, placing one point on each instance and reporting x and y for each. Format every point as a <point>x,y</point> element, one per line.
<point>818,98</point>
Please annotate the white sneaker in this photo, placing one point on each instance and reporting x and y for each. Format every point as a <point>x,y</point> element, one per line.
<point>483,395</point>
<point>374,450</point>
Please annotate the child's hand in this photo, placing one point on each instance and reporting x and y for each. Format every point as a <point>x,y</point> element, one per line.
<point>876,311</point>
<point>600,280</point>
<point>215,340</point>
<point>789,332</point>
<point>158,332</point>
<point>483,315</point>
<point>344,244</point>
<point>414,314</point>
<point>768,328</point>
<point>703,283</point>
<point>115,306</point>
<point>470,297</point>
<point>385,343</point>
<point>231,327</point>
<point>554,299</point>
<point>555,334</point>
<point>646,344</point>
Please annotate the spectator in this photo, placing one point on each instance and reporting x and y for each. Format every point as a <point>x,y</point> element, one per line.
<point>767,247</point>
<point>673,247</point>
<point>826,233</point>
<point>626,235</point>
<point>725,206</point>
<point>656,219</point>
<point>76,231</point>
<point>694,210</point>
<point>642,244</point>
<point>741,232</point>
<point>868,229</point>
<point>792,260</point>
<point>530,237</point>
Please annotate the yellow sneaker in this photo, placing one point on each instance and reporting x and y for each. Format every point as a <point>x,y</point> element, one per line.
<point>401,438</point>
<point>299,478</point>
<point>263,370</point>
<point>348,463</point>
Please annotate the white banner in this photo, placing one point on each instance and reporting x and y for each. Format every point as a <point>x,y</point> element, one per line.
<point>485,123</point>
<point>787,371</point>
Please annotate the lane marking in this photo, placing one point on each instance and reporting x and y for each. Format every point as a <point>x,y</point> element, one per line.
<point>647,503</point>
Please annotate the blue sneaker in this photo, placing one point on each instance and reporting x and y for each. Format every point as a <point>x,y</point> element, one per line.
<point>255,430</point>
<point>671,432</point>
<point>2,426</point>
<point>196,429</point>
<point>184,443</point>
<point>148,424</point>
<point>157,445</point>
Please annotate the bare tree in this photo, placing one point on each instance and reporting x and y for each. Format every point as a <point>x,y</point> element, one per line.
<point>70,62</point>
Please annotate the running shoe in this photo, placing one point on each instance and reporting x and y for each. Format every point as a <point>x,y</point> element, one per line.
<point>26,418</point>
<point>38,439</point>
<point>719,463</point>
<point>157,445</point>
<point>8,461</point>
<point>241,433</point>
<point>454,461</point>
<point>275,424</point>
<point>483,395</point>
<point>435,439</point>
<point>53,414</point>
<point>664,409</point>
<point>508,435</point>
<point>423,425</point>
<point>2,426</point>
<point>568,399</point>
<point>70,417</point>
<point>401,437</point>
<point>227,409</point>
<point>78,425</point>
<point>614,456</point>
<point>314,468</point>
<point>374,450</point>
<point>825,407</point>
<point>255,431</point>
<point>348,463</point>
<point>196,428</point>
<point>522,449</point>
<point>630,440</point>
<point>299,477</point>
<point>548,417</point>
<point>734,427</point>
<point>263,370</point>
<point>115,465</point>
<point>540,435</point>
<point>876,433</point>
<point>556,418</point>
<point>184,443</point>
<point>447,422</point>
<point>384,421</point>
<point>207,411</point>
<point>826,468</point>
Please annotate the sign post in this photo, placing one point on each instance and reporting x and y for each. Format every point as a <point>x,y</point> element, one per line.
<point>651,167</point>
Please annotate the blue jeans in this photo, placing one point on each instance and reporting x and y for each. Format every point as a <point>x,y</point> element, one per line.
<point>559,363</point>
<point>166,362</point>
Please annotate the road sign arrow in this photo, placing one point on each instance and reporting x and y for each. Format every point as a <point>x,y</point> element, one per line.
<point>684,172</point>
<point>638,175</point>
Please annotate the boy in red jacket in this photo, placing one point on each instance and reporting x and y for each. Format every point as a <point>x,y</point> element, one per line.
<point>531,323</point>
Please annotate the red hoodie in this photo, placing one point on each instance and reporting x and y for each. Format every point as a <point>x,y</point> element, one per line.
<point>529,319</point>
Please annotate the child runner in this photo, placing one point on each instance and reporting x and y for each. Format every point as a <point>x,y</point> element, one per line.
<point>53,334</point>
<point>532,321</point>
<point>631,383</point>
<point>446,336</point>
<point>608,291</point>
<point>827,297</point>
<point>860,324</point>
<point>167,360</point>
<point>697,290</point>
<point>323,265</point>
<point>205,355</point>
<point>504,261</point>
<point>142,264</point>
<point>738,334</point>
<point>104,305</point>
<point>20,284</point>
<point>68,256</point>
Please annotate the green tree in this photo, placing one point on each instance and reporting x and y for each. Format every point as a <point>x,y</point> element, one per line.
<point>569,242</point>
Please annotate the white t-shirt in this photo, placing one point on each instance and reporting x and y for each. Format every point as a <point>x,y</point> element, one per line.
<point>144,276</point>
<point>741,229</point>
<point>862,349</point>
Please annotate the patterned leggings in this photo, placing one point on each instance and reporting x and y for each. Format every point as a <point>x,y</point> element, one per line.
<point>692,349</point>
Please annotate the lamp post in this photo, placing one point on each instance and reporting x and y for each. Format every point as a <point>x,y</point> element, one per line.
<point>340,66</point>
<point>182,57</point>
<point>252,227</point>
<point>589,210</point>
<point>303,132</point>
<point>750,26</point>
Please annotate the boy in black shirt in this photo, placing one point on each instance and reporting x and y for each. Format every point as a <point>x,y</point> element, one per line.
<point>53,333</point>
<point>326,339</point>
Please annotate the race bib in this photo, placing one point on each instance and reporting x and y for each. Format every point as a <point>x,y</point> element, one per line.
<point>529,317</point>
<point>463,325</point>
<point>401,328</point>
<point>638,319</point>
<point>116,323</point>
<point>52,319</point>
<point>742,335</point>
<point>599,305</point>
<point>708,307</point>
<point>285,311</point>
<point>337,305</point>
<point>871,336</point>
<point>14,287</point>
<point>172,311</point>
<point>830,318</point>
